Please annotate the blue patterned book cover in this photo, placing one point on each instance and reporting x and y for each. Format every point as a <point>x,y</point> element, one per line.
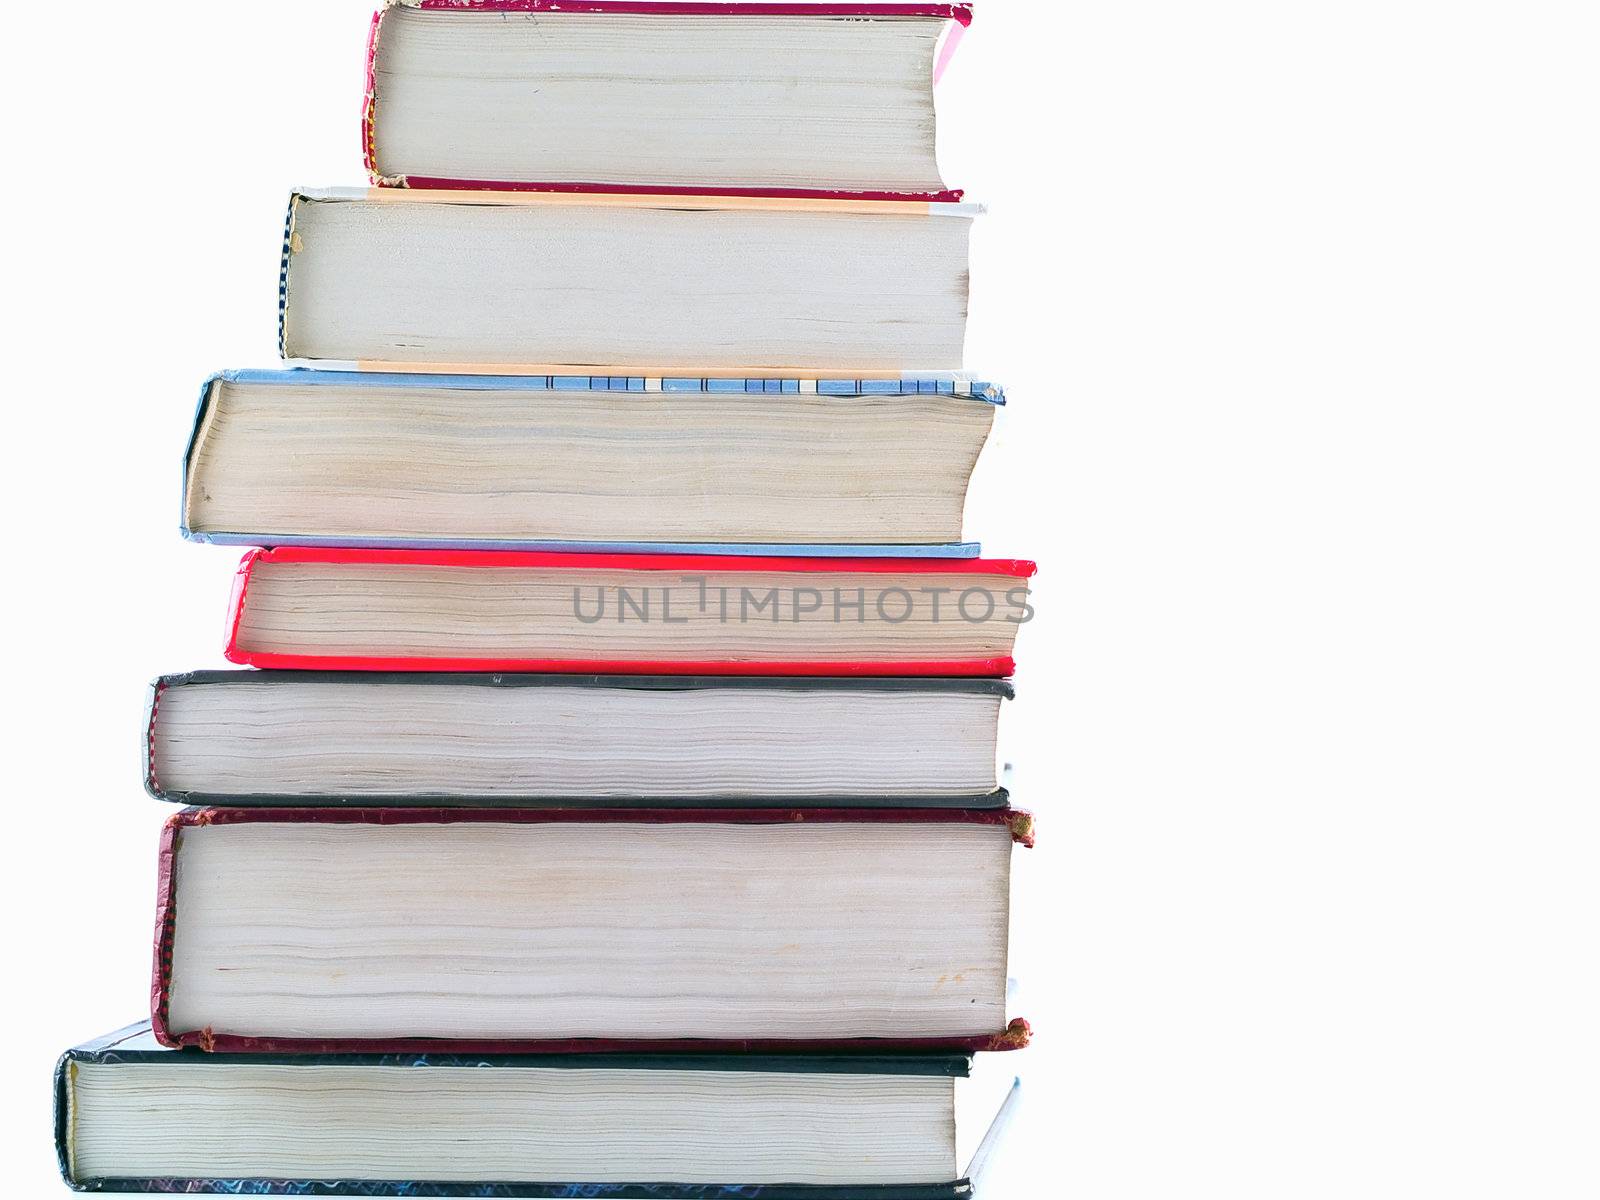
<point>519,449</point>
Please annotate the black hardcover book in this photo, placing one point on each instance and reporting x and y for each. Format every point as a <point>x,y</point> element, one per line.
<point>324,738</point>
<point>131,1115</point>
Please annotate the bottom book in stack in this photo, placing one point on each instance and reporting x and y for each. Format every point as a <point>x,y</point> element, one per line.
<point>133,1115</point>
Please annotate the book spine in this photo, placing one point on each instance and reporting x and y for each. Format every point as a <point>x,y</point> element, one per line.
<point>61,1091</point>
<point>369,103</point>
<point>236,600</point>
<point>147,744</point>
<point>166,926</point>
<point>202,412</point>
<point>283,276</point>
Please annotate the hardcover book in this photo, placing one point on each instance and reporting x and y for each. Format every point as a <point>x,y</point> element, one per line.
<point>831,466</point>
<point>558,930</point>
<point>133,1116</point>
<point>616,814</point>
<point>432,738</point>
<point>773,98</point>
<point>565,283</point>
<point>646,614</point>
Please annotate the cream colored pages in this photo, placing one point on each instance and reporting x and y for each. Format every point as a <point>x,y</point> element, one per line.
<point>625,287</point>
<point>405,462</point>
<point>727,101</point>
<point>358,738</point>
<point>462,1123</point>
<point>528,931</point>
<point>503,613</point>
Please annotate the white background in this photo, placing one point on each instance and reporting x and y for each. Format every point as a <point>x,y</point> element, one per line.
<point>1297,308</point>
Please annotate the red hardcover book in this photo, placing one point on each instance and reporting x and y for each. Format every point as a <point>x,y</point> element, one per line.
<point>656,614</point>
<point>562,930</point>
<point>537,95</point>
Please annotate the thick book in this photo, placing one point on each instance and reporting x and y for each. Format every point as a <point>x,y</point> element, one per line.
<point>560,930</point>
<point>766,98</point>
<point>132,1116</point>
<point>535,283</point>
<point>539,462</point>
<point>643,614</point>
<point>442,738</point>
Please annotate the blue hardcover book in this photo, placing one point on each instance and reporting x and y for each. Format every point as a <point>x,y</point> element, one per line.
<point>823,467</point>
<point>133,1116</point>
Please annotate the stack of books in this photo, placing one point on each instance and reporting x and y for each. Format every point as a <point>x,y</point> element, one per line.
<point>610,805</point>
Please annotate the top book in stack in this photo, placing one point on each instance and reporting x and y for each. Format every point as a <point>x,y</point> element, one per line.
<point>763,98</point>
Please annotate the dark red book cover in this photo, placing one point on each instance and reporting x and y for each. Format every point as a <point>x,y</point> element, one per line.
<point>1014,1036</point>
<point>1010,576</point>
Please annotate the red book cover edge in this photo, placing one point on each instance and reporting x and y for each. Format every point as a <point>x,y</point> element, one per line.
<point>959,13</point>
<point>1016,1034</point>
<point>1016,567</point>
<point>984,667</point>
